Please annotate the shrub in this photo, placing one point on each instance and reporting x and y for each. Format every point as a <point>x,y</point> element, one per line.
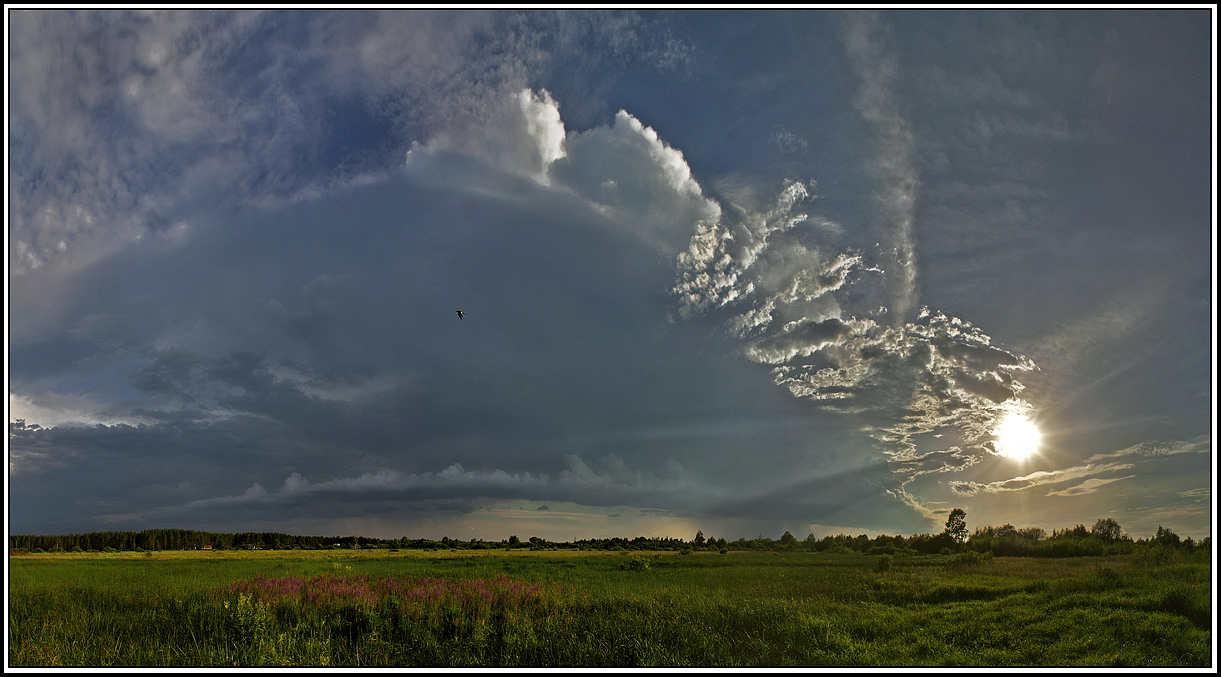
<point>635,563</point>
<point>1107,575</point>
<point>885,562</point>
<point>969,558</point>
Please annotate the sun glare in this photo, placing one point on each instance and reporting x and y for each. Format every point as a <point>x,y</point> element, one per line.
<point>1017,437</point>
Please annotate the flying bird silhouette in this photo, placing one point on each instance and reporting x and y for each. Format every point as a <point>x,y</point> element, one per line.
<point>459,314</point>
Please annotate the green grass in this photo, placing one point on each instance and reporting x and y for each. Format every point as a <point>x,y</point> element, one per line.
<point>595,609</point>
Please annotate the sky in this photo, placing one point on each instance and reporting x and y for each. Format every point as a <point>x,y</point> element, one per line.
<point>742,272</point>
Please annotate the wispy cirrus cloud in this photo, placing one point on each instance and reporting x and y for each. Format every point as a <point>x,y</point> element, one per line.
<point>876,67</point>
<point>1097,464</point>
<point>1042,477</point>
<point>1088,486</point>
<point>1196,445</point>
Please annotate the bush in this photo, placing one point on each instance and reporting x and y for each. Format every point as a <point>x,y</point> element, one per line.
<point>885,562</point>
<point>636,563</point>
<point>969,558</point>
<point>1107,576</point>
<point>76,548</point>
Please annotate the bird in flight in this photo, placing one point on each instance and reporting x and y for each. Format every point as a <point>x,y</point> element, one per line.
<point>459,314</point>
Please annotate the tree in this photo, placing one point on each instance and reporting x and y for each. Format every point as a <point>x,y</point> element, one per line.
<point>956,525</point>
<point>1166,537</point>
<point>1033,533</point>
<point>699,538</point>
<point>788,540</point>
<point>1107,529</point>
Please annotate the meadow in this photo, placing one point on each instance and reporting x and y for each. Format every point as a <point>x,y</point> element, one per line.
<point>611,609</point>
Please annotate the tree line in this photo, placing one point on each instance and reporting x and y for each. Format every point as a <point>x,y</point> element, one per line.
<point>1106,537</point>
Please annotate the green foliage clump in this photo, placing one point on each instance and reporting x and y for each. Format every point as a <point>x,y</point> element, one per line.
<point>885,562</point>
<point>636,563</point>
<point>968,558</point>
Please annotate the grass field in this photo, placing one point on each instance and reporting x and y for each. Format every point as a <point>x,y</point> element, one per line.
<point>553,608</point>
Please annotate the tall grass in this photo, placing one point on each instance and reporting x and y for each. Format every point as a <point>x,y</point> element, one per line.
<point>579,609</point>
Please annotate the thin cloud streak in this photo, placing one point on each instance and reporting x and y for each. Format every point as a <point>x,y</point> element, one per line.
<point>894,165</point>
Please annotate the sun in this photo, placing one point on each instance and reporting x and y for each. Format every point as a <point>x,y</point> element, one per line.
<point>1017,436</point>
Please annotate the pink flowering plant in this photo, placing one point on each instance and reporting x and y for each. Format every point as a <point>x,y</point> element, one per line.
<point>407,592</point>
<point>441,621</point>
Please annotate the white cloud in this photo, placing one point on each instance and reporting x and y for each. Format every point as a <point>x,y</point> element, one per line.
<point>543,125</point>
<point>1197,445</point>
<point>636,179</point>
<point>49,409</point>
<point>1043,477</point>
<point>1087,487</point>
<point>894,165</point>
<point>801,339</point>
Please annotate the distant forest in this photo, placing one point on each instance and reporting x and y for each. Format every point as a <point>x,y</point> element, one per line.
<point>1105,538</point>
